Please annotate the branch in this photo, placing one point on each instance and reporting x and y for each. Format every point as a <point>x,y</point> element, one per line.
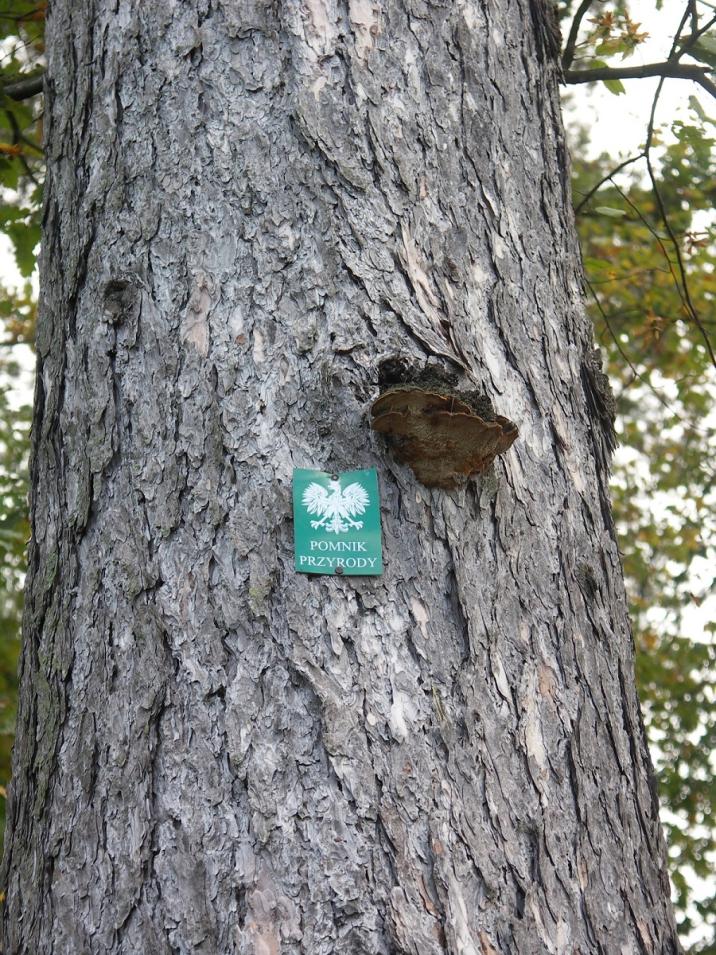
<point>693,39</point>
<point>607,178</point>
<point>37,13</point>
<point>25,88</point>
<point>571,45</point>
<point>637,374</point>
<point>671,69</point>
<point>684,292</point>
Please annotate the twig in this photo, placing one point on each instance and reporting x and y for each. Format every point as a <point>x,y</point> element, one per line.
<point>657,238</point>
<point>635,273</point>
<point>693,39</point>
<point>677,36</point>
<point>17,48</point>
<point>30,144</point>
<point>29,15</point>
<point>686,297</point>
<point>635,371</point>
<point>694,15</point>
<point>684,285</point>
<point>19,137</point>
<point>571,45</point>
<point>607,178</point>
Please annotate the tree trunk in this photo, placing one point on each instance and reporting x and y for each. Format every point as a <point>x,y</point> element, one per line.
<point>249,206</point>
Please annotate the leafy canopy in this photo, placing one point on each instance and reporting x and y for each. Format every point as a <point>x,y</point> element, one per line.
<point>648,238</point>
<point>21,175</point>
<point>663,488</point>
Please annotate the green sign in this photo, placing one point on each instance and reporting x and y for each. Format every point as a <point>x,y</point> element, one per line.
<point>336,522</point>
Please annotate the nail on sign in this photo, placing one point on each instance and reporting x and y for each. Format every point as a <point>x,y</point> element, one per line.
<point>336,520</point>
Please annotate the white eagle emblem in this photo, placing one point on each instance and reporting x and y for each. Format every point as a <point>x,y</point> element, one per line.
<point>337,508</point>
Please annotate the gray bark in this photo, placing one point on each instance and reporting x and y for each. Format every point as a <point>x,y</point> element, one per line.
<point>249,206</point>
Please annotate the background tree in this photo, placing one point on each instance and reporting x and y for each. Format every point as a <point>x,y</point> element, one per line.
<point>647,231</point>
<point>21,174</point>
<point>663,488</point>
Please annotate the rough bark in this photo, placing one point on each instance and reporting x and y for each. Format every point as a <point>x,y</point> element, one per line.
<point>249,206</point>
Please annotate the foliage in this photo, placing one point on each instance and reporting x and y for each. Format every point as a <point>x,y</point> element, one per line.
<point>647,233</point>
<point>21,157</point>
<point>611,32</point>
<point>664,494</point>
<point>14,532</point>
<point>21,174</point>
<point>598,39</point>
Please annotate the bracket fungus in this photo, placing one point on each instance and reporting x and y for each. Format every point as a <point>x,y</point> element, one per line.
<point>444,438</point>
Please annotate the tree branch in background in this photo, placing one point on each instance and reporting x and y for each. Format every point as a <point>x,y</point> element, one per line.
<point>25,88</point>
<point>693,15</point>
<point>637,375</point>
<point>693,39</point>
<point>688,302</point>
<point>571,44</point>
<point>675,70</point>
<point>607,178</point>
<point>680,280</point>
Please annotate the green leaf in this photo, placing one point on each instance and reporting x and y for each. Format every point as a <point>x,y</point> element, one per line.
<point>696,106</point>
<point>25,239</point>
<point>608,211</point>
<point>10,171</point>
<point>704,50</point>
<point>614,86</point>
<point>611,47</point>
<point>597,265</point>
<point>10,213</point>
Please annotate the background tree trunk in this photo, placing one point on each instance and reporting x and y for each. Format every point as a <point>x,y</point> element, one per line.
<point>249,206</point>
